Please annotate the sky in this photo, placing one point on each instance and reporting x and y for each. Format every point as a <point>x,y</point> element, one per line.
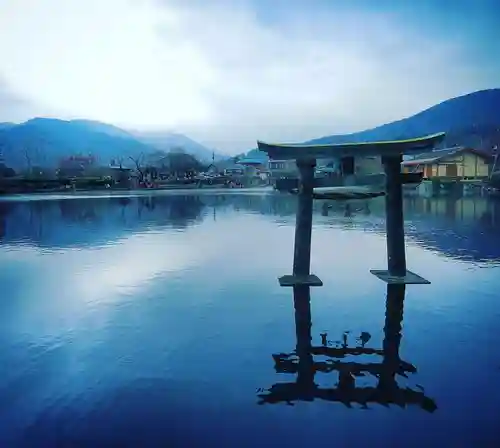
<point>229,72</point>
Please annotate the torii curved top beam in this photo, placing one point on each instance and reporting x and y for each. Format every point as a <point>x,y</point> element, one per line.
<point>284,151</point>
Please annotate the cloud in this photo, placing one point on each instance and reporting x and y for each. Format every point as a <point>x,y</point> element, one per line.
<point>96,59</point>
<point>310,75</point>
<point>227,73</point>
<point>15,108</point>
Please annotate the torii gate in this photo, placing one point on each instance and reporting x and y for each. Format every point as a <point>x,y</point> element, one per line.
<point>302,363</point>
<point>391,153</point>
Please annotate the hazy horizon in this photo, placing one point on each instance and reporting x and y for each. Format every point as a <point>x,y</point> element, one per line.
<point>226,73</point>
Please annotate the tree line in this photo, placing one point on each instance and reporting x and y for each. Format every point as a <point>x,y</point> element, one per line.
<point>176,161</point>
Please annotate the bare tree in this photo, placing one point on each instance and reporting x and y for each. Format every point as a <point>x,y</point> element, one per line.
<point>31,156</point>
<point>139,162</point>
<point>27,156</point>
<point>119,161</point>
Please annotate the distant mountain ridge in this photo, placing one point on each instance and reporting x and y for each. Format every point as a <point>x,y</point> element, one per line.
<point>44,141</point>
<point>6,125</point>
<point>468,120</point>
<point>475,113</point>
<point>164,141</point>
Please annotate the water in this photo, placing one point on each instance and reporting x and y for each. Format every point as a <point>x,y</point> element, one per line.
<point>159,321</point>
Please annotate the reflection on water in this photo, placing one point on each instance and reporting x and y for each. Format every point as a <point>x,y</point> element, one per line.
<point>150,320</point>
<point>48,223</point>
<point>460,228</point>
<point>302,362</point>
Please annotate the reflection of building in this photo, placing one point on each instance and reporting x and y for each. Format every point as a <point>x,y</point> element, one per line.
<point>450,164</point>
<point>302,363</point>
<point>463,228</point>
<point>467,209</point>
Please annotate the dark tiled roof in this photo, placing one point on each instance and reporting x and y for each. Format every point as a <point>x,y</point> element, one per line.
<point>252,161</point>
<point>435,156</point>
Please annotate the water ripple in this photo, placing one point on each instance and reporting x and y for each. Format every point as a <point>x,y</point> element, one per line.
<point>161,316</point>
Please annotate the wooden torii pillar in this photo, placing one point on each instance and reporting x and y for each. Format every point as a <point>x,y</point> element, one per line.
<point>391,153</point>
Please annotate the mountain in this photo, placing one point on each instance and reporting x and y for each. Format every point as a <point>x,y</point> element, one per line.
<point>472,119</point>
<point>44,141</point>
<point>97,126</point>
<point>469,120</point>
<point>164,141</point>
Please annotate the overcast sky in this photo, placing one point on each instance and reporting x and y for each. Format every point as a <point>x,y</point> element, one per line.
<point>228,72</point>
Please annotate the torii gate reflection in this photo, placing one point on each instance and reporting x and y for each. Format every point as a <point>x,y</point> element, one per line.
<point>302,363</point>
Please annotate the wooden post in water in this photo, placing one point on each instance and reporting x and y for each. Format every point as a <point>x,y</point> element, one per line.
<point>396,256</point>
<point>394,221</point>
<point>303,223</point>
<point>303,229</point>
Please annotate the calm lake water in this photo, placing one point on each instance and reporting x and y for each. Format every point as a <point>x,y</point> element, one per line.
<point>159,321</point>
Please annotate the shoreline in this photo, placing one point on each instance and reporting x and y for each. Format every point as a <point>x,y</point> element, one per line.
<point>84,194</point>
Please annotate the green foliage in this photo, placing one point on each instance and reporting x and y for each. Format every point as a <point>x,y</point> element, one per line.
<point>182,162</point>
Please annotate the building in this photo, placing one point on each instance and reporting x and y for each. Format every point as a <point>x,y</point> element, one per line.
<point>331,167</point>
<point>212,169</point>
<point>279,169</point>
<point>253,166</point>
<point>118,174</point>
<point>451,164</point>
<point>234,170</point>
<point>76,166</point>
<point>364,166</point>
<point>255,171</point>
